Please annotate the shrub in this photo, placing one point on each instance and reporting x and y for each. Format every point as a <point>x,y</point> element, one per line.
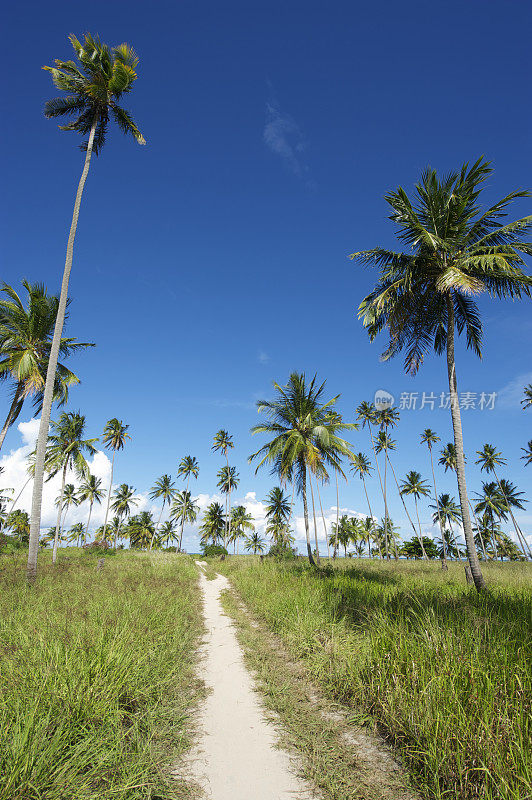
<point>213,550</point>
<point>282,551</point>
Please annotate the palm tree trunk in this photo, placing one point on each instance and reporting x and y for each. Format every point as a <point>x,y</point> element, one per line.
<point>314,515</point>
<point>305,515</point>
<point>59,513</point>
<point>519,532</point>
<point>14,411</point>
<point>386,550</point>
<point>88,521</point>
<point>109,496</point>
<point>15,501</point>
<point>403,500</point>
<point>474,563</point>
<point>370,513</point>
<point>42,439</point>
<point>183,517</point>
<point>337,516</point>
<point>420,534</point>
<point>444,559</point>
<point>482,545</point>
<point>378,472</point>
<point>323,518</point>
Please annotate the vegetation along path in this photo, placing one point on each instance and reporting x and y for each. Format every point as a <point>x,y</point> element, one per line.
<point>236,757</point>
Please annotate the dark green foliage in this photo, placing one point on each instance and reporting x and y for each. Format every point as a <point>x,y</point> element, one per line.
<point>212,550</point>
<point>282,551</point>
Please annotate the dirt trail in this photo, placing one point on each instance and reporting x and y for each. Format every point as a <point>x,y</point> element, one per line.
<point>236,756</point>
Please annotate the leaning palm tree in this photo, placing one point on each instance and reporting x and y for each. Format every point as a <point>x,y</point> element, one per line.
<point>26,331</point>
<point>454,250</point>
<point>93,87</point>
<point>188,468</point>
<point>242,521</point>
<point>66,450</point>
<point>527,453</point>
<point>489,459</point>
<point>305,440</point>
<point>413,485</point>
<point>255,543</point>
<point>430,438</point>
<point>124,498</point>
<point>184,509</point>
<point>75,533</point>
<point>227,482</point>
<point>163,488</point>
<point>114,438</point>
<point>526,402</point>
<point>90,491</point>
<point>223,442</point>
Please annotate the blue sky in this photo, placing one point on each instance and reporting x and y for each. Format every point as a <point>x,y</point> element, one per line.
<point>214,260</point>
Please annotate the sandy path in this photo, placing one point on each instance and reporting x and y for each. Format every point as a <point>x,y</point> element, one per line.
<point>236,757</point>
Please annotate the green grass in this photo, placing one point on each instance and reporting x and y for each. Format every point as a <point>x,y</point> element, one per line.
<point>97,676</point>
<point>441,671</point>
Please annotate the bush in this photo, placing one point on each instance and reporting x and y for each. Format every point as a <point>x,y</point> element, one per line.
<point>213,550</point>
<point>99,549</point>
<point>282,551</point>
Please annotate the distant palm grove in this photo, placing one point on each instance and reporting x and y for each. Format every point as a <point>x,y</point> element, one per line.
<point>424,299</point>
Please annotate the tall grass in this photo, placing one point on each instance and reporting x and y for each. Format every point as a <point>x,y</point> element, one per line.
<point>96,676</point>
<point>442,671</point>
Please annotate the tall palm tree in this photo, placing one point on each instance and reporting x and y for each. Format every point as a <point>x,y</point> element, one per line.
<point>242,521</point>
<point>423,297</point>
<point>167,533</point>
<point>164,487</point>
<point>447,512</point>
<point>94,86</point>
<point>25,337</point>
<point>75,533</point>
<point>305,436</point>
<point>188,468</point>
<point>447,460</point>
<point>430,438</point>
<point>361,466</point>
<point>70,498</point>
<point>90,491</point>
<point>489,459</point>
<point>277,515</point>
<point>66,450</point>
<point>413,485</point>
<point>227,482</point>
<point>115,435</point>
<point>526,402</point>
<point>255,543</point>
<point>114,530</point>
<point>366,415</point>
<point>342,532</point>
<point>384,443</point>
<point>213,526</point>
<point>527,453</point>
<point>492,504</point>
<point>385,419</point>
<point>124,499</point>
<point>223,442</point>
<point>184,509</point>
<point>141,529</point>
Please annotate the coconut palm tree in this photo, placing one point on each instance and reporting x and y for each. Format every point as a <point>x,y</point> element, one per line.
<point>430,438</point>
<point>526,402</point>
<point>66,451</point>
<point>278,510</point>
<point>527,453</point>
<point>255,543</point>
<point>305,436</point>
<point>164,487</point>
<point>366,527</point>
<point>489,459</point>
<point>447,460</point>
<point>223,442</point>
<point>227,482</point>
<point>124,499</point>
<point>385,418</point>
<point>18,522</point>
<point>188,468</point>
<point>366,415</point>
<point>167,533</point>
<point>493,506</point>
<point>94,86</point>
<point>454,250</point>
<point>141,530</point>
<point>413,485</point>
<point>70,498</point>
<point>25,336</point>
<point>384,443</point>
<point>90,491</point>
<point>184,509</point>
<point>242,521</point>
<point>114,437</point>
<point>343,532</point>
<point>75,533</point>
<point>447,512</point>
<point>213,526</point>
<point>114,530</point>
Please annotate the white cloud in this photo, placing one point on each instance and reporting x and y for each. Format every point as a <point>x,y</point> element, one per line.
<point>263,357</point>
<point>283,136</point>
<point>510,396</point>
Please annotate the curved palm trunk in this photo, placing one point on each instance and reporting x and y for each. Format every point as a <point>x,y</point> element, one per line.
<point>522,541</point>
<point>17,498</point>
<point>419,526</point>
<point>474,563</point>
<point>370,513</point>
<point>314,515</point>
<point>305,515</point>
<point>403,502</point>
<point>14,411</point>
<point>482,544</point>
<point>35,520</point>
<point>323,518</point>
<point>59,513</point>
<point>444,559</point>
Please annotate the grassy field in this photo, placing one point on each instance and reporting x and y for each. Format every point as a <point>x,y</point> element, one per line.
<point>444,673</point>
<point>96,676</point>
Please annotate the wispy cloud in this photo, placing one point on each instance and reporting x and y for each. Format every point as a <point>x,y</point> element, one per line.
<point>510,396</point>
<point>263,357</point>
<point>283,136</point>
